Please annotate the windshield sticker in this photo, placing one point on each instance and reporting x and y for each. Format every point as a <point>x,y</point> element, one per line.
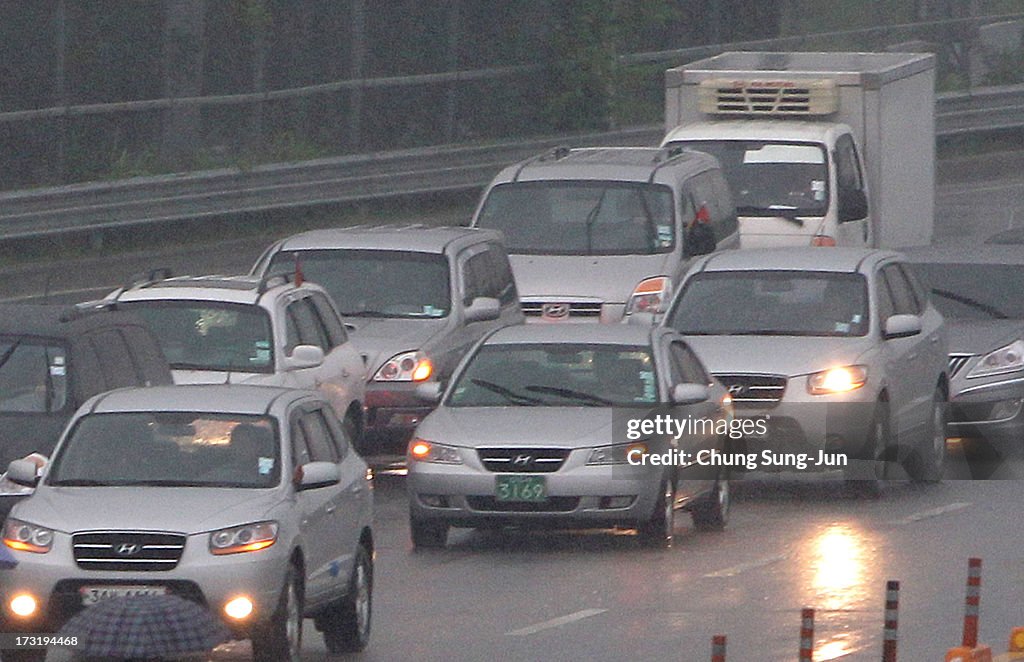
<point>262,356</point>
<point>856,318</point>
<point>647,377</point>
<point>58,360</point>
<point>262,344</point>
<point>664,236</point>
<point>266,465</point>
<point>431,311</point>
<point>57,370</point>
<point>842,327</point>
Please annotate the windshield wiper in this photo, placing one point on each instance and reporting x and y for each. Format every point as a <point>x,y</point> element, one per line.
<point>508,394</point>
<point>156,483</point>
<point>570,393</point>
<point>973,303</point>
<point>366,313</point>
<point>787,213</point>
<point>588,222</point>
<point>80,482</point>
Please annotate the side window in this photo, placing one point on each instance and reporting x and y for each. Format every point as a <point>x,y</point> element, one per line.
<point>308,325</point>
<point>291,332</point>
<point>501,275</point>
<point>916,288</point>
<point>149,360</point>
<point>725,222</point>
<point>329,316</point>
<point>341,440</point>
<point>114,357</point>
<point>318,437</point>
<point>902,296</point>
<point>848,175</point>
<point>688,365</point>
<point>86,377</point>
<point>701,233</point>
<point>300,446</point>
<point>886,307</point>
<point>475,277</point>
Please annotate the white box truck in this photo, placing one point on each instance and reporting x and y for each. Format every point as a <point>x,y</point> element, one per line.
<point>820,149</point>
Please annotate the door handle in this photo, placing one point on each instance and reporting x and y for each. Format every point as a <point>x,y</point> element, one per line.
<point>330,508</point>
<point>911,356</point>
<point>344,372</point>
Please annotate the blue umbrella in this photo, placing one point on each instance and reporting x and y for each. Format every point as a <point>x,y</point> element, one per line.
<point>7,560</point>
<point>145,626</point>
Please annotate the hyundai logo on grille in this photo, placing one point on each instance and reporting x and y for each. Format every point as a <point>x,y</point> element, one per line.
<point>735,389</point>
<point>522,460</point>
<point>127,549</point>
<point>554,311</point>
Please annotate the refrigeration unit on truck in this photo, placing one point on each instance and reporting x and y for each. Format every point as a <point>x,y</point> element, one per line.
<point>819,149</point>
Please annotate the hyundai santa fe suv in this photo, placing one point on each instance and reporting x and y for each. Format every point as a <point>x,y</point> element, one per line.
<point>247,500</point>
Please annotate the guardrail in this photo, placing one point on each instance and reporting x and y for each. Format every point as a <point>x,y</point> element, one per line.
<point>147,200</point>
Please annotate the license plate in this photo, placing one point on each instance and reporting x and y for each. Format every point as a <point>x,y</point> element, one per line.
<point>94,594</point>
<point>520,488</point>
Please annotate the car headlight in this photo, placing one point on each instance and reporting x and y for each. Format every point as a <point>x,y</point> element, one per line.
<point>246,538</point>
<point>411,366</point>
<point>27,537</point>
<point>422,450</point>
<point>618,453</point>
<point>650,296</point>
<point>1004,359</point>
<point>837,380</point>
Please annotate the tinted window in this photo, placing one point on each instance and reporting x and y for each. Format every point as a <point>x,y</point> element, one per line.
<point>338,436</point>
<point>966,290</point>
<point>318,437</point>
<point>329,316</point>
<point>372,283</point>
<point>33,376</point>
<point>300,445</point>
<point>899,289</point>
<point>689,367</point>
<point>311,332</point>
<point>206,335</point>
<point>582,217</point>
<point>781,303</point>
<point>557,375</point>
<point>115,359</point>
<point>149,361</point>
<point>848,174</point>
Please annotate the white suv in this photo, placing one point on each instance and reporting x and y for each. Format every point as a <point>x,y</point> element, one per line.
<point>242,329</point>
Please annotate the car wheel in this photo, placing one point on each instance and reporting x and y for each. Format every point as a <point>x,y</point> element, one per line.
<point>346,624</point>
<point>353,430</point>
<point>280,640</point>
<point>866,475</point>
<point>712,512</point>
<point>428,534</point>
<point>659,530</point>
<point>928,461</point>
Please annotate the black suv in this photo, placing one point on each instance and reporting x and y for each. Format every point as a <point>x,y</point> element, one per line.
<point>53,358</point>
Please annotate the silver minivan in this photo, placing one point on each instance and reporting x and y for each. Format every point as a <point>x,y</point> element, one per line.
<point>598,233</point>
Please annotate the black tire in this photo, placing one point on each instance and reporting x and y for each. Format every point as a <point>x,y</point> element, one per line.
<point>33,655</point>
<point>428,534</point>
<point>866,474</point>
<point>280,640</point>
<point>927,463</point>
<point>352,425</point>
<point>659,530</point>
<point>346,624</point>
<point>711,513</point>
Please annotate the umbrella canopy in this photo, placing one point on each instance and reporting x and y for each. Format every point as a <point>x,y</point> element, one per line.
<point>145,626</point>
<point>7,560</point>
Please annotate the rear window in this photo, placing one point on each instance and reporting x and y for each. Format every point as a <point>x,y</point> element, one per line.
<point>33,376</point>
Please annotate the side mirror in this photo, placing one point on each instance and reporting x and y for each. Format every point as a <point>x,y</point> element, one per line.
<point>901,326</point>
<point>853,205</point>
<point>429,392</point>
<point>23,472</point>
<point>304,356</point>
<point>483,309</point>
<point>690,394</point>
<point>316,474</point>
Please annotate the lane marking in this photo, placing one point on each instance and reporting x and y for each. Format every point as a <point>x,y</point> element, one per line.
<point>555,622</point>
<point>933,512</point>
<point>744,567</point>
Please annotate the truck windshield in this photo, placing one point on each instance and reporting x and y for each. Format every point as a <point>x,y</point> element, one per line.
<point>772,178</point>
<point>582,217</point>
<point>772,303</point>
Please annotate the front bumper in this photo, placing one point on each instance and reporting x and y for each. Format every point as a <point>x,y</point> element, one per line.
<point>54,580</point>
<point>577,494</point>
<point>394,407</point>
<point>991,409</point>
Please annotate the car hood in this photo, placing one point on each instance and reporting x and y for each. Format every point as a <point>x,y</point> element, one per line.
<point>566,427</point>
<point>981,336</point>
<point>610,278</point>
<point>380,339</point>
<point>179,509</point>
<point>776,355</point>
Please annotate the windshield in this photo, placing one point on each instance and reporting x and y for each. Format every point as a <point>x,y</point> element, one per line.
<point>557,375</point>
<point>968,291</point>
<point>582,218</point>
<point>204,335</point>
<point>169,449</point>
<point>776,303</point>
<point>772,178</point>
<point>33,376</point>
<point>377,283</point>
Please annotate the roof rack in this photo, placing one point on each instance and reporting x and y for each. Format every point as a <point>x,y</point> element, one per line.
<point>278,278</point>
<point>557,153</point>
<point>666,156</point>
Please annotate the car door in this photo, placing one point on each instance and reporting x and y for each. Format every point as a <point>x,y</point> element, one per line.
<point>354,497</point>
<point>474,269</point>
<point>303,327</point>
<point>311,442</point>
<point>342,361</point>
<point>685,368</point>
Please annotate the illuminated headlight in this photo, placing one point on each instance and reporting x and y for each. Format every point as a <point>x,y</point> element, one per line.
<point>617,454</point>
<point>650,296</point>
<point>1004,359</point>
<point>247,538</point>
<point>422,450</point>
<point>405,367</point>
<point>837,380</point>
<point>27,537</point>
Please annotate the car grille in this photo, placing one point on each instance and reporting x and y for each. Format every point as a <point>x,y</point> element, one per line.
<point>957,362</point>
<point>556,310</point>
<point>131,551</point>
<point>760,391</point>
<point>561,504</point>
<point>523,460</point>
